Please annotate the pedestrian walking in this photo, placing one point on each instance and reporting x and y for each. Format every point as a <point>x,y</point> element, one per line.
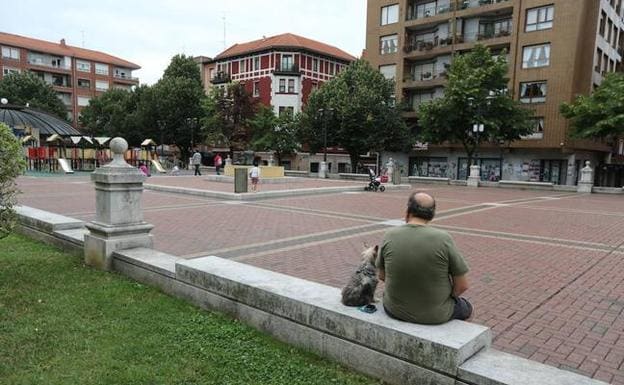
<point>196,161</point>
<point>218,161</point>
<point>254,174</point>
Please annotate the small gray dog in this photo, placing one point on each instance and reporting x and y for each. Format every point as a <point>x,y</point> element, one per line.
<point>362,284</point>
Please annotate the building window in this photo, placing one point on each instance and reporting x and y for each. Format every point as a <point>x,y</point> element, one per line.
<point>10,53</point>
<point>84,83</point>
<point>242,66</point>
<point>389,44</point>
<point>282,86</point>
<point>534,92</point>
<point>291,86</point>
<point>603,23</point>
<point>83,66</point>
<point>540,18</point>
<point>536,56</point>
<point>538,129</point>
<point>8,71</point>
<point>388,71</point>
<point>315,65</point>
<point>83,101</point>
<point>287,63</point>
<point>256,89</point>
<point>286,111</point>
<point>256,62</point>
<point>390,14</point>
<point>101,69</point>
<point>101,85</point>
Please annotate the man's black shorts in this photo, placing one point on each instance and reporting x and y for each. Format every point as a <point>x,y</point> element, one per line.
<point>462,309</point>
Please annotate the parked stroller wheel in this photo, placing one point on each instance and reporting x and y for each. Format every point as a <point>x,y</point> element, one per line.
<point>382,188</point>
<point>366,188</point>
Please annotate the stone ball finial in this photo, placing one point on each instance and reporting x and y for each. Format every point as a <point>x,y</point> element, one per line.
<point>587,163</point>
<point>118,145</point>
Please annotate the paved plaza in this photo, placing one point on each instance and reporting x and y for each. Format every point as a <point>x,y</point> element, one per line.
<point>546,267</point>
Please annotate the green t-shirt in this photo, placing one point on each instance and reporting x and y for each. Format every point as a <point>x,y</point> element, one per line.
<point>418,261</point>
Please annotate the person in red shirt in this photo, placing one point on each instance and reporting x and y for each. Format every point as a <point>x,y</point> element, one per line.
<point>218,161</point>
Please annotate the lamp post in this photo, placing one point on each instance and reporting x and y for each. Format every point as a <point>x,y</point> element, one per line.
<point>192,123</point>
<point>477,129</point>
<point>323,114</point>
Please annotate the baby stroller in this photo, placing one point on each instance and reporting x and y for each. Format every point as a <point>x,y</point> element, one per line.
<point>375,182</point>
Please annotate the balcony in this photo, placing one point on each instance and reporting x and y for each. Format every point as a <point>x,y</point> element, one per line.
<point>292,69</point>
<point>429,47</point>
<point>220,78</point>
<point>38,63</point>
<point>425,79</point>
<point>125,77</point>
<point>492,35</point>
<point>415,11</point>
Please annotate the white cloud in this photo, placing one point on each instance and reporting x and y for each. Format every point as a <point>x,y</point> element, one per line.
<point>149,33</point>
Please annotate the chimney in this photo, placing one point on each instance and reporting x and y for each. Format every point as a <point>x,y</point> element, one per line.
<point>63,43</point>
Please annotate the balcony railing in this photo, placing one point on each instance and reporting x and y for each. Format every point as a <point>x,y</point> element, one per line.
<point>493,35</point>
<point>416,10</point>
<point>292,69</point>
<point>49,65</point>
<point>424,76</point>
<point>429,44</point>
<point>125,77</point>
<point>221,77</point>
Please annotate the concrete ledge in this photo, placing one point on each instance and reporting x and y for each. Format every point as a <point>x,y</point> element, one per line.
<point>296,173</point>
<point>428,180</point>
<point>456,182</point>
<point>149,259</point>
<point>493,367</point>
<point>439,348</point>
<point>559,187</point>
<point>607,190</point>
<point>526,185</point>
<point>230,179</point>
<point>46,221</point>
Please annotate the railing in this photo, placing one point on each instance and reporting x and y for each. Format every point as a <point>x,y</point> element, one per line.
<point>424,76</point>
<point>220,77</point>
<point>414,13</point>
<point>429,44</point>
<point>293,69</point>
<point>49,65</point>
<point>125,77</point>
<point>492,35</point>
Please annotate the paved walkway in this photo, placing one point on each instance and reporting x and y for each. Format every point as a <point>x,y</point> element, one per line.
<point>546,267</point>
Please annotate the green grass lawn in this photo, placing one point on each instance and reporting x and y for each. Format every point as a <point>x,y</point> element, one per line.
<point>64,323</point>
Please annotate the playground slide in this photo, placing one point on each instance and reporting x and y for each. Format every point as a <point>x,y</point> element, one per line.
<point>65,166</point>
<point>158,166</point>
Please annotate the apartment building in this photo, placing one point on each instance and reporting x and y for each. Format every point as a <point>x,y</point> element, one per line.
<point>556,49</point>
<point>76,74</point>
<point>281,71</point>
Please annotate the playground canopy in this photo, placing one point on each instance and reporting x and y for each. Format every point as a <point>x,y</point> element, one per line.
<point>20,118</point>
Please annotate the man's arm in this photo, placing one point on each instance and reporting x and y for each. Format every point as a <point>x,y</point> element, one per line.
<point>460,285</point>
<point>381,273</point>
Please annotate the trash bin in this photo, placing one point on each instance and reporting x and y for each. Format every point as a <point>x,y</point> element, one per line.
<point>240,180</point>
<point>396,176</point>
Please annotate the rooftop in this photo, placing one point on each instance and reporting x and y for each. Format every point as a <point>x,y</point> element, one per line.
<point>47,124</point>
<point>63,49</point>
<point>286,40</point>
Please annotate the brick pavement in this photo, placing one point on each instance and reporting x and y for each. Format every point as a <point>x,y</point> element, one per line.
<point>546,271</point>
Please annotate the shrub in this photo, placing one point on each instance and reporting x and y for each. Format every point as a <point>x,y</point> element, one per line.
<point>12,164</point>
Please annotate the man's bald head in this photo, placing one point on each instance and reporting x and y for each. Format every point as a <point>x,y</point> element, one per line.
<point>421,205</point>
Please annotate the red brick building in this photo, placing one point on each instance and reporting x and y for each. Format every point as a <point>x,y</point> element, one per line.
<point>77,74</point>
<point>281,71</point>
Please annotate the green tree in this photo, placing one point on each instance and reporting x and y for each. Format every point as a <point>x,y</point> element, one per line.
<point>270,133</point>
<point>359,114</point>
<point>183,66</point>
<point>12,164</point>
<point>26,88</point>
<point>227,116</point>
<point>113,114</point>
<point>475,93</point>
<point>600,115</point>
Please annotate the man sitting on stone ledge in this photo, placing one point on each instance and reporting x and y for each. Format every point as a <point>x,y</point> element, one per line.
<point>424,273</point>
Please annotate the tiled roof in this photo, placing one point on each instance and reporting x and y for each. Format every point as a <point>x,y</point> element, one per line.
<point>286,40</point>
<point>63,50</point>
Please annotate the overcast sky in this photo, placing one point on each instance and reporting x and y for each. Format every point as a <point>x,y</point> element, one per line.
<point>150,32</point>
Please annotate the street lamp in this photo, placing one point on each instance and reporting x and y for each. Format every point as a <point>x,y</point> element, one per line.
<point>324,113</point>
<point>192,123</point>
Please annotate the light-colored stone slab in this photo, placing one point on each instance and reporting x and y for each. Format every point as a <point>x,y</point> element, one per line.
<point>149,259</point>
<point>46,221</point>
<point>526,185</point>
<point>428,180</point>
<point>441,347</point>
<point>74,235</point>
<point>493,367</point>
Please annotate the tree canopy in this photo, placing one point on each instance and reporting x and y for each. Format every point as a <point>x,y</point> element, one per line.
<point>476,92</point>
<point>227,115</point>
<point>601,114</point>
<point>11,166</point>
<point>272,133</point>
<point>26,88</point>
<point>358,114</point>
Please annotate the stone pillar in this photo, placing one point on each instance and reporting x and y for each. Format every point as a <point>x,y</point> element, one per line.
<point>271,161</point>
<point>118,223</point>
<point>228,161</point>
<point>322,170</point>
<point>475,176</point>
<point>587,179</point>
